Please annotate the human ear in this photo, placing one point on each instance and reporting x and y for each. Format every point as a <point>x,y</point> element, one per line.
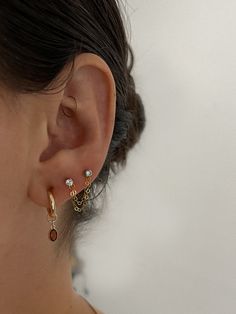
<point>77,136</point>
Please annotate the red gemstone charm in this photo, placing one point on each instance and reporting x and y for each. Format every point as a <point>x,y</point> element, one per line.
<point>53,235</point>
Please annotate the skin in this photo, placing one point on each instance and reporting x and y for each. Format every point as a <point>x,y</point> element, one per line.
<point>40,148</point>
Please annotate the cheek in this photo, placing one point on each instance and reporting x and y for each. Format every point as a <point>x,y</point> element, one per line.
<point>13,161</point>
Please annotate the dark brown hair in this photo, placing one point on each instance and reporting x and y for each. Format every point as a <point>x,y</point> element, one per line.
<point>39,38</point>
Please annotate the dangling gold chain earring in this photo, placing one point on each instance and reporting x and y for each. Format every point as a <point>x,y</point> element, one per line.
<point>52,217</point>
<point>80,204</point>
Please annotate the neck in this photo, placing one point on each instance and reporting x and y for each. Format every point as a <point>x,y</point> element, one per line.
<point>32,278</point>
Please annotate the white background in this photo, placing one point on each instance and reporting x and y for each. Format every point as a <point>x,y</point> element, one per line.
<point>166,244</point>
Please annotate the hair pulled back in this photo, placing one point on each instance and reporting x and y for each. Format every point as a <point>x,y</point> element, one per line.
<point>39,38</point>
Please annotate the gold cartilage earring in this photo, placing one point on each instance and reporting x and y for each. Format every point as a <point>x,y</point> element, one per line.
<point>52,217</point>
<point>80,204</point>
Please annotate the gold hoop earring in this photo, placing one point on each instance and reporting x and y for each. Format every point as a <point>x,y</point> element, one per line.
<point>52,217</point>
<point>80,204</point>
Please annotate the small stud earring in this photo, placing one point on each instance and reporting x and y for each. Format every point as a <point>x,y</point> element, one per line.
<point>76,203</point>
<point>88,178</point>
<point>80,204</point>
<point>52,217</point>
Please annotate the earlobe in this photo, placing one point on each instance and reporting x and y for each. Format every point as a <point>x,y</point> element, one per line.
<point>79,140</point>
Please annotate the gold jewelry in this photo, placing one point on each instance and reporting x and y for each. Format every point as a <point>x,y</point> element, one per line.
<point>80,204</point>
<point>52,217</point>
